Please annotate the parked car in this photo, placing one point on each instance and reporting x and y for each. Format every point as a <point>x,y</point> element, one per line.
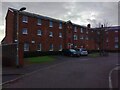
<point>82,51</point>
<point>70,52</point>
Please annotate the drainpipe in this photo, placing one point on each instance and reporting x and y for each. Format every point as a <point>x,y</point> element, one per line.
<point>17,59</point>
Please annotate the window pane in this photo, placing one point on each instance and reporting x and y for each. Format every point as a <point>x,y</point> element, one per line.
<point>116,45</point>
<point>75,37</point>
<point>25,19</point>
<point>60,47</point>
<point>51,24</point>
<point>116,39</point>
<point>39,47</point>
<point>75,29</point>
<point>51,34</point>
<point>24,31</point>
<point>26,47</point>
<point>81,30</point>
<point>60,34</point>
<point>39,32</point>
<point>60,25</point>
<point>39,22</point>
<point>51,47</point>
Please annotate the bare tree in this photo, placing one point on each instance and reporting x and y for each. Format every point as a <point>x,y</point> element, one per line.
<point>100,37</point>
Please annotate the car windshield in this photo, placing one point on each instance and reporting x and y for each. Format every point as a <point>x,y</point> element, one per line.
<point>72,50</point>
<point>83,49</point>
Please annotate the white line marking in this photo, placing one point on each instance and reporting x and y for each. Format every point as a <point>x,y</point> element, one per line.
<point>110,79</point>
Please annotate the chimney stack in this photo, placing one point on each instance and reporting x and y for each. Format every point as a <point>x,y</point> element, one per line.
<point>89,26</point>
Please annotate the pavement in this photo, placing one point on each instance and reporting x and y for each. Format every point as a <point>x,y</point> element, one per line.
<point>115,77</point>
<point>70,72</point>
<point>11,73</point>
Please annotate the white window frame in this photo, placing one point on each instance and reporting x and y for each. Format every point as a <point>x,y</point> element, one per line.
<point>60,47</point>
<point>32,41</point>
<point>116,31</point>
<point>116,39</point>
<point>75,29</point>
<point>25,19</point>
<point>39,21</point>
<point>75,37</point>
<point>24,31</point>
<point>81,37</point>
<point>50,23</point>
<point>60,35</point>
<point>107,40</point>
<point>86,37</point>
<point>40,47</point>
<point>39,34</point>
<point>116,46</point>
<point>26,46</point>
<point>86,32</point>
<point>81,30</point>
<point>60,25</point>
<point>50,34</point>
<point>51,47</point>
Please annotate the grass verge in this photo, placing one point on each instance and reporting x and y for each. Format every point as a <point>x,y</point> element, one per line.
<point>94,55</point>
<point>41,59</point>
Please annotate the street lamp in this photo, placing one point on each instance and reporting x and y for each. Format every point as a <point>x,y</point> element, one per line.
<point>17,59</point>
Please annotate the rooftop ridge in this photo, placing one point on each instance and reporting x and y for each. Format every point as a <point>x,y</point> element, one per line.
<point>43,17</point>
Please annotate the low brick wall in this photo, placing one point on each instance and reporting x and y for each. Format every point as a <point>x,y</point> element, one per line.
<point>9,55</point>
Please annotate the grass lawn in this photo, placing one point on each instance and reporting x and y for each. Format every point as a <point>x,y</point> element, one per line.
<point>41,59</point>
<point>94,55</point>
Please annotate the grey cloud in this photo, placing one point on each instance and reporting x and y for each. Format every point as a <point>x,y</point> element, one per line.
<point>69,10</point>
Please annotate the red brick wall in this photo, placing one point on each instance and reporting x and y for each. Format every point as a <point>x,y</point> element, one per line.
<point>9,28</point>
<point>45,40</point>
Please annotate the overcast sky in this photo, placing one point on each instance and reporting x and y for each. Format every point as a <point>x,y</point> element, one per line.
<point>81,13</point>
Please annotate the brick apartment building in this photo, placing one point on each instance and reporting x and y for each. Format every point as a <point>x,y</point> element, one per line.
<point>40,33</point>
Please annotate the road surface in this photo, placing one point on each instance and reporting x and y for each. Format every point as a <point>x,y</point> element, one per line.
<point>82,72</point>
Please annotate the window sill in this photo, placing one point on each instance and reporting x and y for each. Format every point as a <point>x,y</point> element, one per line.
<point>26,50</point>
<point>39,50</point>
<point>51,50</point>
<point>25,21</point>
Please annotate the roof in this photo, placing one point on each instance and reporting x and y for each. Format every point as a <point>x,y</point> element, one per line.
<point>36,15</point>
<point>114,28</point>
<point>43,17</point>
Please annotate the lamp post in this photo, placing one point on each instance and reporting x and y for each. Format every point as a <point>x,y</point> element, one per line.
<point>17,59</point>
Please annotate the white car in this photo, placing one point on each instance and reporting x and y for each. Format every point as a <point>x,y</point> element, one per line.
<point>83,52</point>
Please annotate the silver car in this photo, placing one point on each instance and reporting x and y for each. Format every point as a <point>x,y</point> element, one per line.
<point>83,51</point>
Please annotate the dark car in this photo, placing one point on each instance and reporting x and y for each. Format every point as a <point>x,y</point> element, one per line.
<point>70,52</point>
